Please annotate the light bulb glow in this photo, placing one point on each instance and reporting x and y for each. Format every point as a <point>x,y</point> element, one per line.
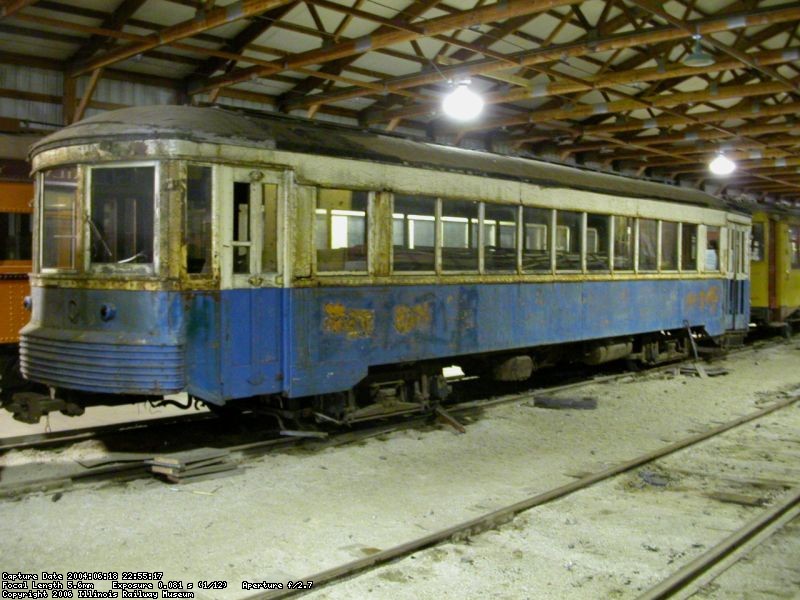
<point>722,165</point>
<point>462,103</point>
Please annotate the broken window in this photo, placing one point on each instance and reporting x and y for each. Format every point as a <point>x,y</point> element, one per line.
<point>122,215</point>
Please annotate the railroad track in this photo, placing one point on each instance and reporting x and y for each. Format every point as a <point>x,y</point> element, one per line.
<point>705,568</point>
<point>787,509</point>
<point>57,438</point>
<point>134,465</point>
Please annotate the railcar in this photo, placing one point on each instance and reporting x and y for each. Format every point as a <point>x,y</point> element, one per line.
<point>775,267</point>
<point>16,206</point>
<point>325,271</point>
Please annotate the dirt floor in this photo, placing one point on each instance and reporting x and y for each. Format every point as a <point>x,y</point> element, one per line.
<point>290,515</point>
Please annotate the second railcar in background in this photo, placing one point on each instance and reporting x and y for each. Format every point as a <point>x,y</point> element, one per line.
<point>331,271</point>
<point>16,208</point>
<point>775,267</point>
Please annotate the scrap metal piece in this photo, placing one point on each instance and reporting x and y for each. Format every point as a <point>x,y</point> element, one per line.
<point>446,417</point>
<point>582,403</point>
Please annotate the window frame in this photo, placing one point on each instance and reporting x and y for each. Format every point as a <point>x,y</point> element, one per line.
<point>148,269</point>
<point>78,222</point>
<point>370,210</point>
<point>215,266</point>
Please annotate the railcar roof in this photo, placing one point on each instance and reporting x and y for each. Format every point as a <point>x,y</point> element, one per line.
<point>293,134</point>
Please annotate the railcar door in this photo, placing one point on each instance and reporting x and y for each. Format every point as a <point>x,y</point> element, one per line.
<point>252,300</point>
<point>737,298</point>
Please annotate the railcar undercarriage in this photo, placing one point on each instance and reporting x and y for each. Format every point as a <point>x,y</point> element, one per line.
<point>394,390</point>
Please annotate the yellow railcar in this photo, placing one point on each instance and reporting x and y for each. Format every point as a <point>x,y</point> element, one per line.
<point>775,267</point>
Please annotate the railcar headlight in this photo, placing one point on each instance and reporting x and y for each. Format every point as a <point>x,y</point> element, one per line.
<point>108,312</point>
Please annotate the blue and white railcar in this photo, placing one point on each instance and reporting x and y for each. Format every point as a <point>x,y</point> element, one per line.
<point>323,268</point>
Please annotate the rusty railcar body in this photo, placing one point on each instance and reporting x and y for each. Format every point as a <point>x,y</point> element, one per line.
<point>331,271</point>
<point>16,208</point>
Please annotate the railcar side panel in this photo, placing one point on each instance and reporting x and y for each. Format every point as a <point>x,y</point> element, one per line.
<point>340,332</point>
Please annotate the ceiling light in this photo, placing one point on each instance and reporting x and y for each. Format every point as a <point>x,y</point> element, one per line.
<point>698,57</point>
<point>462,103</point>
<point>721,165</point>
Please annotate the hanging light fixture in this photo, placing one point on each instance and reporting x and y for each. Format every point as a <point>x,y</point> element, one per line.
<point>721,165</point>
<point>462,103</point>
<point>698,56</point>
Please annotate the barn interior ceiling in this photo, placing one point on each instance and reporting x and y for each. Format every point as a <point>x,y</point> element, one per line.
<point>654,89</point>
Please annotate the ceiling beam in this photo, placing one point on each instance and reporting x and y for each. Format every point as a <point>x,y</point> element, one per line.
<point>578,111</point>
<point>414,11</point>
<point>557,52</point>
<point>13,6</point>
<point>431,27</point>
<point>115,21</point>
<point>203,22</point>
<point>236,45</point>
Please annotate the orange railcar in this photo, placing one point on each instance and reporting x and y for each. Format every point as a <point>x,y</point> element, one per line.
<point>16,201</point>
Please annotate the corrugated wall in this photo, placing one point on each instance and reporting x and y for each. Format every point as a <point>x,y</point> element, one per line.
<point>42,90</point>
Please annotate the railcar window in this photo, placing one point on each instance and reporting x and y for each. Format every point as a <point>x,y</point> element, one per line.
<point>688,247</point>
<point>340,232</point>
<point>241,241</point>
<point>536,241</point>
<point>122,215</point>
<point>269,249</point>
<point>499,237</point>
<point>598,229</point>
<point>648,244</point>
<point>59,216</point>
<point>669,246</point>
<point>794,245</point>
<point>568,240</point>
<point>757,242</point>
<point>623,243</point>
<point>198,219</point>
<point>459,235</point>
<point>414,233</point>
<point>15,236</point>
<point>712,248</point>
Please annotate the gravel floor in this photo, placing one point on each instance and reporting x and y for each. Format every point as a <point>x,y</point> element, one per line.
<point>292,514</point>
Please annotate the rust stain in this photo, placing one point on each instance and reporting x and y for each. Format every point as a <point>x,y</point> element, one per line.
<point>354,323</point>
<point>409,318</point>
<point>705,299</point>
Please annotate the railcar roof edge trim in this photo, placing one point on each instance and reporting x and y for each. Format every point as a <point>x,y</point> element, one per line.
<point>293,134</point>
